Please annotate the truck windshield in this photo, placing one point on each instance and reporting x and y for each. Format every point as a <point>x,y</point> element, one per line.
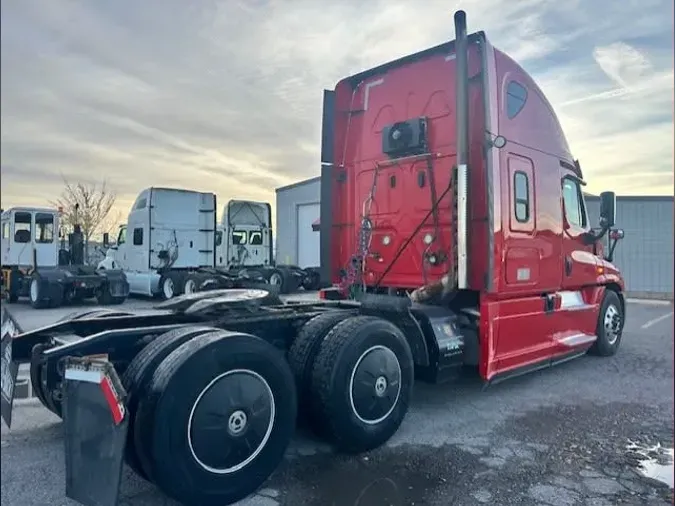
<point>122,237</point>
<point>255,238</point>
<point>238,237</point>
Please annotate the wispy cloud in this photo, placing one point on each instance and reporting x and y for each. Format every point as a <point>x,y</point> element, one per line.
<point>226,95</point>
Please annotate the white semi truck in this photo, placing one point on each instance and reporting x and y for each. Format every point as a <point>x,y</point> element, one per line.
<point>37,264</point>
<point>172,244</point>
<point>244,244</point>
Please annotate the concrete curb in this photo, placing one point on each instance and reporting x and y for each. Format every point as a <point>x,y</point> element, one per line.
<point>650,302</point>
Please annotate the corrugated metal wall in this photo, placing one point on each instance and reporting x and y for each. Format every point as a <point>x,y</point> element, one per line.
<point>286,229</point>
<point>645,255</point>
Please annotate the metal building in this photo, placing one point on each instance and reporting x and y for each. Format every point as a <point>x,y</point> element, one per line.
<point>645,255</point>
<point>297,242</point>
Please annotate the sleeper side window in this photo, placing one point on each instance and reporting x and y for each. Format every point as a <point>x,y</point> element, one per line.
<point>22,227</point>
<point>575,211</point>
<point>521,197</point>
<point>44,228</point>
<point>138,237</point>
<point>516,96</point>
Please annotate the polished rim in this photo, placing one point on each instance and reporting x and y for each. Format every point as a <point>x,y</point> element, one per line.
<point>190,286</point>
<point>34,290</point>
<point>375,385</point>
<point>275,279</point>
<point>231,421</point>
<point>167,287</point>
<point>612,323</point>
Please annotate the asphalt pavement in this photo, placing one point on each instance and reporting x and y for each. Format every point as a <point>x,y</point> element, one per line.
<point>583,433</point>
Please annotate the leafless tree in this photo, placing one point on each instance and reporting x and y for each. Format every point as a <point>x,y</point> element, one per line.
<point>88,204</point>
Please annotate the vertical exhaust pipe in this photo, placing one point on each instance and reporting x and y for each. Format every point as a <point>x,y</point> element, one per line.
<point>448,282</point>
<point>462,118</point>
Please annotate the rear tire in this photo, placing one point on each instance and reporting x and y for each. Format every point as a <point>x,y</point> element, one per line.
<point>362,383</point>
<point>303,351</point>
<point>191,285</point>
<point>167,288</point>
<point>35,295</point>
<point>236,384</point>
<point>136,379</point>
<point>610,326</point>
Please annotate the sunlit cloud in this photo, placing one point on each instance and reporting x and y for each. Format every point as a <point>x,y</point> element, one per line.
<point>225,96</point>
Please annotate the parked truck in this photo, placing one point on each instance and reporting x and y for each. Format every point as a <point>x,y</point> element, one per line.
<point>36,263</point>
<point>168,245</point>
<point>489,261</point>
<point>244,246</point>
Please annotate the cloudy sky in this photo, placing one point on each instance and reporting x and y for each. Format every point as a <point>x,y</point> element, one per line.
<point>225,96</point>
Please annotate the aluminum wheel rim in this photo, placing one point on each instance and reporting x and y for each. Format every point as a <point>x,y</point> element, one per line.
<point>167,288</point>
<point>190,286</point>
<point>381,384</point>
<point>275,279</point>
<point>34,290</point>
<point>612,323</point>
<point>233,424</point>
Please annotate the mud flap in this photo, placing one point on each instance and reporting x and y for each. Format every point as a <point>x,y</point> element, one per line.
<point>96,423</point>
<point>9,369</point>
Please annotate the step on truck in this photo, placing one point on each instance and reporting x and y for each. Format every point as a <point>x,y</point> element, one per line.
<point>168,246</point>
<point>245,248</point>
<point>489,263</point>
<point>37,264</point>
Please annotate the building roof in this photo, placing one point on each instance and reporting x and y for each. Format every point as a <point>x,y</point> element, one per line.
<point>299,183</point>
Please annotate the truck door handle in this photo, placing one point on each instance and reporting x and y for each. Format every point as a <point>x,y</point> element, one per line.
<point>568,266</point>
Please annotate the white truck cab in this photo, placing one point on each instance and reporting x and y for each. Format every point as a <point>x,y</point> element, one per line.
<point>28,229</point>
<point>168,233</point>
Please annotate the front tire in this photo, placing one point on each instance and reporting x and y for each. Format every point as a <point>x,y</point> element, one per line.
<point>223,411</point>
<point>362,383</point>
<point>610,325</point>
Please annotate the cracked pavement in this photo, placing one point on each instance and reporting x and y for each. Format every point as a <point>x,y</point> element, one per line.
<point>557,437</point>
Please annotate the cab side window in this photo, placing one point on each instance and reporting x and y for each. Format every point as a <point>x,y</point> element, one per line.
<point>575,211</point>
<point>122,236</point>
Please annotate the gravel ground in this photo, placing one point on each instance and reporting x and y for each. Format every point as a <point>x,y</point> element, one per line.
<point>557,437</point>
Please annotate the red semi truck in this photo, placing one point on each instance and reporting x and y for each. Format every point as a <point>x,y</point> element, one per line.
<point>450,205</point>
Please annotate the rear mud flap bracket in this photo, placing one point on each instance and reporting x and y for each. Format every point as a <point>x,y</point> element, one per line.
<point>96,423</point>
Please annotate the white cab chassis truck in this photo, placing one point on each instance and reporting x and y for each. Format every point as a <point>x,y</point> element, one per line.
<point>37,265</point>
<point>168,245</point>
<point>244,246</point>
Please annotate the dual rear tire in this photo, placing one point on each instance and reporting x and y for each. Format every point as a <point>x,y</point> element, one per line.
<point>212,408</point>
<point>354,377</point>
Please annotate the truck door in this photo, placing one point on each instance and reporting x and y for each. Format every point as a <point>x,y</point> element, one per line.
<point>137,248</point>
<point>579,262</point>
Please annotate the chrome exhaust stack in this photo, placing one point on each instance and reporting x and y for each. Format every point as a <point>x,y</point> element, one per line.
<point>449,281</point>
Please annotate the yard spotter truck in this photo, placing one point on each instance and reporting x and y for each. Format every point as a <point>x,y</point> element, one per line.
<point>37,265</point>
<point>244,246</point>
<point>488,262</point>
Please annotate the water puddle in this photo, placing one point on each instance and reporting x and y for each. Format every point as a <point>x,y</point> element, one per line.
<point>655,462</point>
<point>401,477</point>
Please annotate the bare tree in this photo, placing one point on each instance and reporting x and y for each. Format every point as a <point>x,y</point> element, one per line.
<point>88,204</point>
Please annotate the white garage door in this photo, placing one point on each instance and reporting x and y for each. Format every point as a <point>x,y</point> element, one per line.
<point>308,239</point>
